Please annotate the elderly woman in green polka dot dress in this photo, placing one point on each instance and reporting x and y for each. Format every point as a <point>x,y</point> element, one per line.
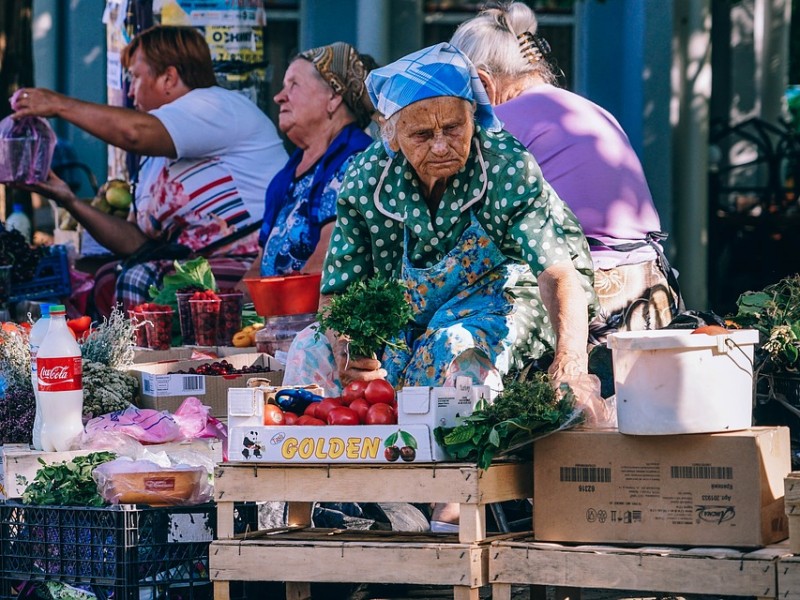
<point>496,266</point>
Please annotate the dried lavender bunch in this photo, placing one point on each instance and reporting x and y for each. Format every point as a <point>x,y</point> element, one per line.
<point>111,343</point>
<point>17,411</point>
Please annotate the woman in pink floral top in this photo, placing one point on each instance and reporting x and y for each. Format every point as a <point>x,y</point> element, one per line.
<point>208,156</point>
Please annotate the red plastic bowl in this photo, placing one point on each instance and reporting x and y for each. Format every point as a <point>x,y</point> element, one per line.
<point>285,295</point>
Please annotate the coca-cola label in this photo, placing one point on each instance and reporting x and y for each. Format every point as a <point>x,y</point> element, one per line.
<point>59,374</point>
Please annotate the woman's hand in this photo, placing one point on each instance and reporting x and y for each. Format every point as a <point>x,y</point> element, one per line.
<point>352,368</point>
<point>54,188</point>
<point>37,102</point>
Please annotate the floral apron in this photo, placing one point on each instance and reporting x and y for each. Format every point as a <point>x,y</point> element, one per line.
<point>466,301</point>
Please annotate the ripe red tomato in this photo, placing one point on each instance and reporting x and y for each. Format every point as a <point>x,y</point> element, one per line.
<point>381,414</point>
<point>360,406</point>
<point>379,391</point>
<point>289,418</point>
<point>311,409</point>
<point>306,420</point>
<point>354,391</point>
<point>325,406</point>
<point>273,415</point>
<point>343,415</point>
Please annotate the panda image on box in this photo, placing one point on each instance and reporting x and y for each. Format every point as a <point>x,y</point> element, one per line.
<point>252,445</point>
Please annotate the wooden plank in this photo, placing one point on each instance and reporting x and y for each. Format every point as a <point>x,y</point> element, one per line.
<point>660,570</point>
<point>789,577</point>
<point>433,482</point>
<point>472,523</point>
<point>225,512</point>
<point>791,488</point>
<point>222,590</point>
<point>348,562</point>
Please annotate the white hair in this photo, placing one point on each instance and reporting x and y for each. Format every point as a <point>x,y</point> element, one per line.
<point>490,41</point>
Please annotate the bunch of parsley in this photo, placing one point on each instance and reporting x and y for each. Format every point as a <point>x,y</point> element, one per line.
<point>523,412</point>
<point>370,313</point>
<point>68,483</point>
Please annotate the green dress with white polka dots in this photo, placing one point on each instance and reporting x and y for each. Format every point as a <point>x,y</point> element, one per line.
<point>500,189</point>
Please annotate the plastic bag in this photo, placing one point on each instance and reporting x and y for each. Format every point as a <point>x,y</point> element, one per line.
<point>26,149</point>
<point>126,481</point>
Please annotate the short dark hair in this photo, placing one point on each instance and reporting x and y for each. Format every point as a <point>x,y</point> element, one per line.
<point>169,46</point>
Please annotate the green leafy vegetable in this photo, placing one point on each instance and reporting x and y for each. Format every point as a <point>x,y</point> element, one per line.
<point>371,313</point>
<point>68,483</point>
<point>775,313</point>
<point>195,272</point>
<point>524,411</point>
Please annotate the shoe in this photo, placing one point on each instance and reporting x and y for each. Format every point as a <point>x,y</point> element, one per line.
<point>443,527</point>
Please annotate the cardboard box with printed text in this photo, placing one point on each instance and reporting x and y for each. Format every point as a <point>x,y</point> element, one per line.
<point>161,388</point>
<point>719,489</point>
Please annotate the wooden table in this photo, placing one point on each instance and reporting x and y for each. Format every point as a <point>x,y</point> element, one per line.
<point>300,555</point>
<point>770,572</point>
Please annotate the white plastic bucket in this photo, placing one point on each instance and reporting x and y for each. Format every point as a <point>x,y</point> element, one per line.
<point>672,381</point>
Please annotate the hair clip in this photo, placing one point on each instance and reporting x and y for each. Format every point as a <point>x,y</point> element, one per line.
<point>533,46</point>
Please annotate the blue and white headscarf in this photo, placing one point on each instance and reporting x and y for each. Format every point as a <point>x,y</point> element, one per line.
<point>440,70</point>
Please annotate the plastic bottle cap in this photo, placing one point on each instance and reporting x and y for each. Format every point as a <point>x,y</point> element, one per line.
<point>54,308</point>
<point>17,208</point>
<point>45,309</point>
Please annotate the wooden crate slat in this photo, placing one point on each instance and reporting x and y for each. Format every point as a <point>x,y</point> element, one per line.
<point>447,482</point>
<point>659,570</point>
<point>343,562</point>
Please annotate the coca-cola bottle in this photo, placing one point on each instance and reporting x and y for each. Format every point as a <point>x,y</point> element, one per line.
<point>60,383</point>
<point>35,337</point>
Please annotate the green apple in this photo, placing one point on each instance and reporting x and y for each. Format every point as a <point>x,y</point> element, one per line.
<point>118,194</point>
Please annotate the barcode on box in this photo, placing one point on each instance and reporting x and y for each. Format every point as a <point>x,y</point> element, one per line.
<point>582,474</point>
<point>194,383</point>
<point>701,472</point>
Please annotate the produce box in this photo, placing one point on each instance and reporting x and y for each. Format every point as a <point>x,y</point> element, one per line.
<point>162,388</point>
<point>20,462</point>
<point>720,489</point>
<point>249,440</point>
<point>331,444</point>
<point>420,410</point>
<point>439,406</point>
<point>119,551</point>
<point>146,355</point>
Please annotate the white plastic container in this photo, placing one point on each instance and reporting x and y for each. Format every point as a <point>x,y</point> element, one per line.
<point>672,381</point>
<point>60,382</point>
<point>19,220</point>
<point>35,337</point>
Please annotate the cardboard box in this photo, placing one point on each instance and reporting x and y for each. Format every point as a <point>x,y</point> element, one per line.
<point>439,406</point>
<point>721,489</point>
<point>20,462</point>
<point>249,440</point>
<point>162,389</point>
<point>330,444</point>
<point>146,355</point>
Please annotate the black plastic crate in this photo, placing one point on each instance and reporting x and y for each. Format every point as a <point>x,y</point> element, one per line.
<point>51,279</point>
<point>122,552</point>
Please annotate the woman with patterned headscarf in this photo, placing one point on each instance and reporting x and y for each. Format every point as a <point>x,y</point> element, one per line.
<point>496,267</point>
<point>324,108</point>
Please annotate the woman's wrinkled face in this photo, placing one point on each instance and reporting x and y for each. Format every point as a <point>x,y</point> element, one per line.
<point>303,100</point>
<point>434,135</point>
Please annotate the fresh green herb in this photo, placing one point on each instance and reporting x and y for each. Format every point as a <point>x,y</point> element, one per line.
<point>775,313</point>
<point>370,313</point>
<point>68,483</point>
<point>524,411</point>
